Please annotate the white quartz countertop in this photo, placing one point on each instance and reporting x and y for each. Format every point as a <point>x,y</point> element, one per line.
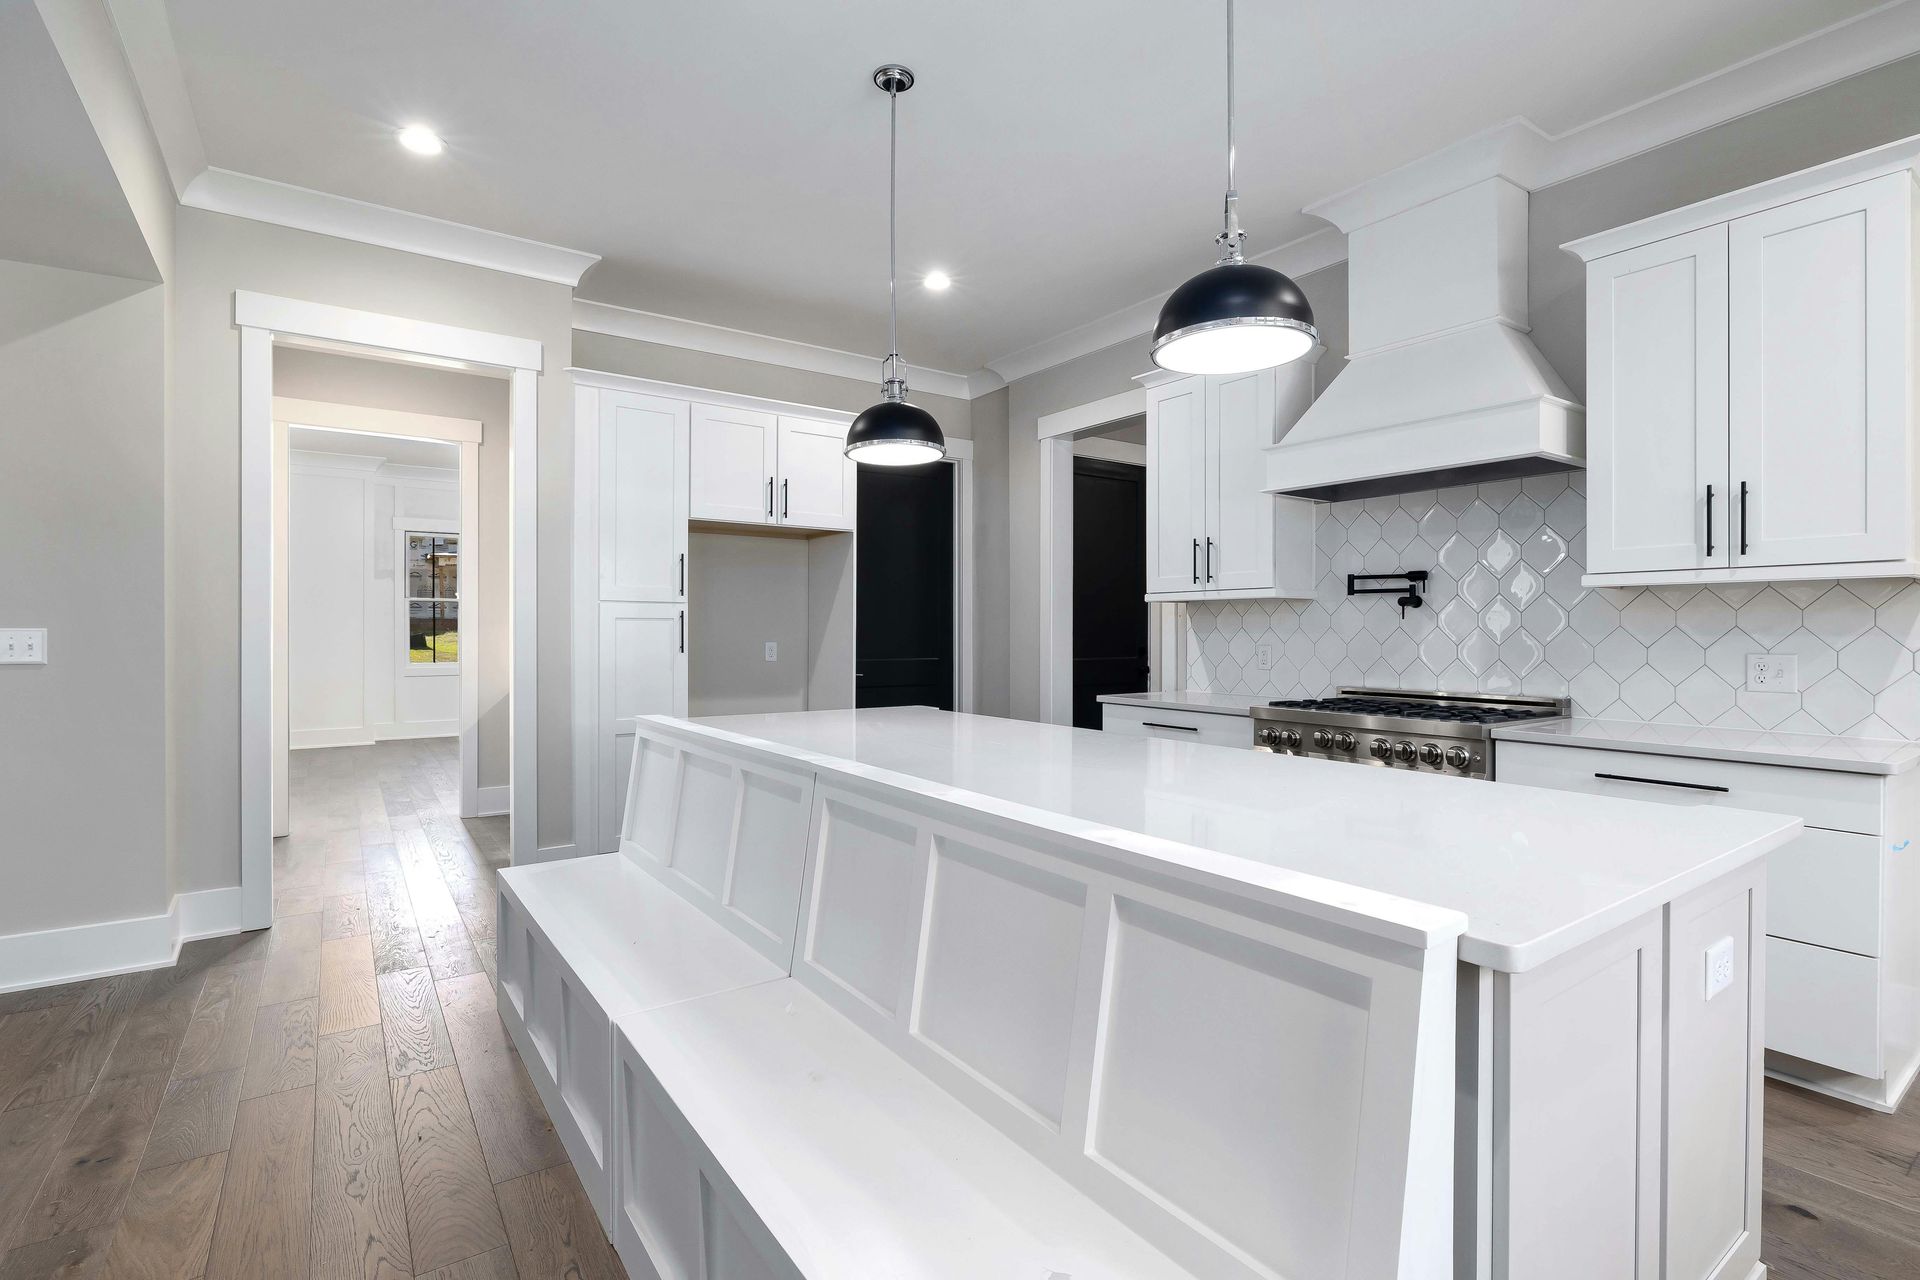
<point>1754,746</point>
<point>1535,872</point>
<point>1226,704</point>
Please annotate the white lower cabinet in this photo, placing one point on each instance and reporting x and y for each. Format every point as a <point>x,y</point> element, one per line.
<point>1215,729</point>
<point>643,671</point>
<point>1843,901</point>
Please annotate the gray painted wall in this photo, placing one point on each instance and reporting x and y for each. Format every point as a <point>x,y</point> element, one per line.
<point>382,384</point>
<point>82,776</point>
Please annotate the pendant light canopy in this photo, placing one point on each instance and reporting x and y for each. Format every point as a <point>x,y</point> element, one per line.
<point>1235,316</point>
<point>894,433</point>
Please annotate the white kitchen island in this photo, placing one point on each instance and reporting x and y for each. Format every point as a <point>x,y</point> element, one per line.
<point>1190,981</point>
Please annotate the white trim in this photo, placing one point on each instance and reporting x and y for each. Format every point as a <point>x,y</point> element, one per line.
<point>1123,451</point>
<point>49,957</point>
<point>1067,422</point>
<point>1296,258</point>
<point>263,200</point>
<point>368,420</point>
<point>1056,580</point>
<point>352,735</point>
<point>413,731</point>
<point>491,802</point>
<point>257,659</point>
<point>704,395</point>
<point>966,597</point>
<point>471,640</point>
<point>586,605</point>
<point>718,340</point>
<point>295,318</point>
<point>523,590</point>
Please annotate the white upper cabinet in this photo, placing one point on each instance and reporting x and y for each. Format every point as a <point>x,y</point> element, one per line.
<point>817,479</point>
<point>1211,529</point>
<point>733,464</point>
<point>1819,368</point>
<point>1749,383</point>
<point>1657,375</point>
<point>751,467</point>
<point>643,496</point>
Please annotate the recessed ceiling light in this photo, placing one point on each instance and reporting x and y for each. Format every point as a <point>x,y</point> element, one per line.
<point>421,140</point>
<point>938,281</point>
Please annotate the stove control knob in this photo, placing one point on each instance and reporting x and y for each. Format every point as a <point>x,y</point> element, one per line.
<point>1322,739</point>
<point>1459,757</point>
<point>1290,739</point>
<point>1343,741</point>
<point>1266,738</point>
<point>1403,751</point>
<point>1380,748</point>
<point>1429,754</point>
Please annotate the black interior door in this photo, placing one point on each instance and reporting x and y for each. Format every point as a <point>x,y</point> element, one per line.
<point>1109,584</point>
<point>903,610</point>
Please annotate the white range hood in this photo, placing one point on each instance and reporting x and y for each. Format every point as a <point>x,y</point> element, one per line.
<point>1442,386</point>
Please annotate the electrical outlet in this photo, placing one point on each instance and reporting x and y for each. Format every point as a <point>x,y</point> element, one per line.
<point>773,651</point>
<point>1263,657</point>
<point>1773,673</point>
<point>23,646</point>
<point>1719,967</point>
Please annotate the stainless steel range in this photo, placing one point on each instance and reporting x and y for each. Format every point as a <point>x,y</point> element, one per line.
<point>1398,728</point>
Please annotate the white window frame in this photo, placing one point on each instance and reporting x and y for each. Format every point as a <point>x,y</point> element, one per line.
<point>402,526</point>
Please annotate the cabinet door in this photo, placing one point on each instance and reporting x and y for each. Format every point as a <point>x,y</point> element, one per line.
<point>1818,370</point>
<point>733,464</point>
<point>643,496</point>
<point>1176,495</point>
<point>643,671</point>
<point>817,480</point>
<point>1236,551</point>
<point>1657,406</point>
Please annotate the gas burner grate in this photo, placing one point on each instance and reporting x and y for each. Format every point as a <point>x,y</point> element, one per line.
<point>1390,708</point>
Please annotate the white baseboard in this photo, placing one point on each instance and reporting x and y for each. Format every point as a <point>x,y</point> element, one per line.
<point>491,802</point>
<point>423,729</point>
<point>50,957</point>
<point>354,735</point>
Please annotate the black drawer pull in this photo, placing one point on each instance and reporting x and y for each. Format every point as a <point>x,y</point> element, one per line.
<point>1183,728</point>
<point>1661,782</point>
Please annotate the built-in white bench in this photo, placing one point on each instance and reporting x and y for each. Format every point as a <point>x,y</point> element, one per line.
<point>1009,1051</point>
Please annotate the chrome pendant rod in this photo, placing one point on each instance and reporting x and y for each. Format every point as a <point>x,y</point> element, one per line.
<point>892,383</point>
<point>1231,236</point>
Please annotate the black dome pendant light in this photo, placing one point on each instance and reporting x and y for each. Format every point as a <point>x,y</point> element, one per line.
<point>1236,316</point>
<point>894,433</point>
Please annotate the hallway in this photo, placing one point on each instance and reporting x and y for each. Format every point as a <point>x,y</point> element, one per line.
<point>335,1098</point>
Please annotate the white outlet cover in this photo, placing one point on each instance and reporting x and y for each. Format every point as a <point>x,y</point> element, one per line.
<point>1263,657</point>
<point>1719,967</point>
<point>1773,673</point>
<point>773,651</point>
<point>23,646</point>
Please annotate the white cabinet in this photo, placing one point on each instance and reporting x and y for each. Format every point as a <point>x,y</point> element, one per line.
<point>1749,369</point>
<point>753,467</point>
<point>643,496</point>
<point>1212,532</point>
<point>818,481</point>
<point>1220,729</point>
<point>643,671</point>
<point>1843,901</point>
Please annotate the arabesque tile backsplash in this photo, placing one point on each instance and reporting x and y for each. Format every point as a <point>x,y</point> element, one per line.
<point>1506,612</point>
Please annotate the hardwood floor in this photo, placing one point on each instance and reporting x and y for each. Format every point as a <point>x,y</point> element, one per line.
<point>331,1099</point>
<point>335,1097</point>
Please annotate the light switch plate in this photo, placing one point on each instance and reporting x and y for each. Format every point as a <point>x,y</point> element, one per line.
<point>23,646</point>
<point>773,651</point>
<point>1263,656</point>
<point>1773,673</point>
<point>1719,967</point>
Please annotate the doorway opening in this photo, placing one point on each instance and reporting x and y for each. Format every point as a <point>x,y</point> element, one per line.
<point>1111,622</point>
<point>905,596</point>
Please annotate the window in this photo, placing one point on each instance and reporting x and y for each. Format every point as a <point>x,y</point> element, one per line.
<point>432,596</point>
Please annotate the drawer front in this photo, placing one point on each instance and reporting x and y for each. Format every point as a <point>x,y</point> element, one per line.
<point>1824,889</point>
<point>1178,726</point>
<point>1819,797</point>
<point>1824,1006</point>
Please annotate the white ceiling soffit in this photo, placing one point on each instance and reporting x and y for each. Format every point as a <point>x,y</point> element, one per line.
<point>672,331</point>
<point>147,38</point>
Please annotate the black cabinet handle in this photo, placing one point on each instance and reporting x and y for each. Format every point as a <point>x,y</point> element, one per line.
<point>1709,520</point>
<point>683,631</point>
<point>1196,560</point>
<point>1743,517</point>
<point>783,499</point>
<point>769,497</point>
<point>1155,724</point>
<point>1209,559</point>
<point>683,573</point>
<point>1661,782</point>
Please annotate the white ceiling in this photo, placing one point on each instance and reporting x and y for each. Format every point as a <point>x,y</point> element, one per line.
<point>1062,160</point>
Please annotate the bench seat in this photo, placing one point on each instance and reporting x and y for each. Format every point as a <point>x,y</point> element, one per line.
<point>762,1134</point>
<point>582,942</point>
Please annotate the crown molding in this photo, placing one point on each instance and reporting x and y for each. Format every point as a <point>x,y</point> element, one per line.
<point>264,200</point>
<point>1310,253</point>
<point>718,340</point>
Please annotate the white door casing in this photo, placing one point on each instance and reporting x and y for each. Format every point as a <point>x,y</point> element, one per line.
<point>734,456</point>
